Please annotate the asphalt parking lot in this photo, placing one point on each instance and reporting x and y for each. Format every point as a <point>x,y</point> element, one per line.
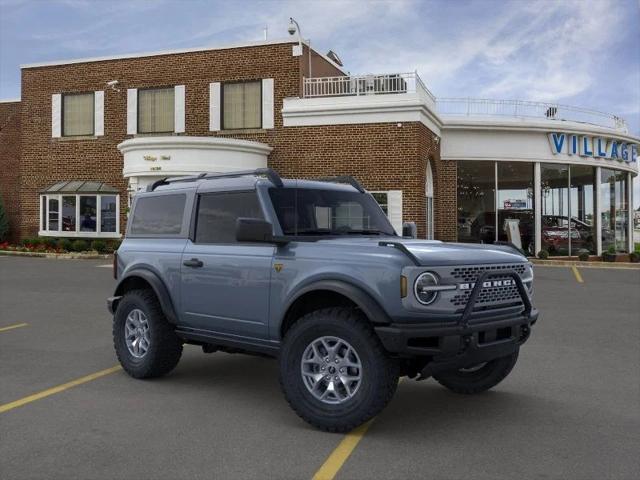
<point>570,409</point>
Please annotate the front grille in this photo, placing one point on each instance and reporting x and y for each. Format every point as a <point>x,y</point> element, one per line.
<point>469,274</point>
<point>490,295</point>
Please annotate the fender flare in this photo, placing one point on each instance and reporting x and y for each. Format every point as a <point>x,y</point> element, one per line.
<point>365,302</point>
<point>158,286</point>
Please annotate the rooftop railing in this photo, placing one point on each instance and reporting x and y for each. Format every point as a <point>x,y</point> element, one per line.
<point>356,85</point>
<point>399,83</point>
<point>521,108</point>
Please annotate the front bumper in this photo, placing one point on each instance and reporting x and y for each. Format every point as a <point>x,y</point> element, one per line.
<point>472,339</point>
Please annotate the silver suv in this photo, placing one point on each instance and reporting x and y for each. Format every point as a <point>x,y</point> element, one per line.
<point>312,272</point>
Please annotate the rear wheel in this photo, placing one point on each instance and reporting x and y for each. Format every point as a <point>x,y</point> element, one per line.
<point>478,378</point>
<point>145,343</point>
<point>333,370</point>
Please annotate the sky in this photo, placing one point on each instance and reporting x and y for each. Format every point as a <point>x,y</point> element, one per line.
<point>577,52</point>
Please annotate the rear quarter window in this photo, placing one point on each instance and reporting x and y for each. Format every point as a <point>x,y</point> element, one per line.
<point>158,215</point>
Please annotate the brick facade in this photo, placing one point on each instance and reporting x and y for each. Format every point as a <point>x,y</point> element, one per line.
<point>10,165</point>
<point>382,156</point>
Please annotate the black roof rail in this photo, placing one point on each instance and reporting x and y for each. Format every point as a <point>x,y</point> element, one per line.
<point>348,179</point>
<point>270,173</point>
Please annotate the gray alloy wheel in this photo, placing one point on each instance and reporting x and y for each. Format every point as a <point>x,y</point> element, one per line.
<point>136,333</point>
<point>331,370</point>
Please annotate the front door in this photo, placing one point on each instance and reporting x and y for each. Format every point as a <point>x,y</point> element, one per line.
<point>225,284</point>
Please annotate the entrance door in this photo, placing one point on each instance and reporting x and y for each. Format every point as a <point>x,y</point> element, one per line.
<point>225,285</point>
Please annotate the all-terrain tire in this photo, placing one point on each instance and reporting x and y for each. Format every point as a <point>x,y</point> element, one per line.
<point>379,373</point>
<point>165,348</point>
<point>480,380</point>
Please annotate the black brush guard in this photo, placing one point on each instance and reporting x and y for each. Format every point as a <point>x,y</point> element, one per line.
<point>465,343</point>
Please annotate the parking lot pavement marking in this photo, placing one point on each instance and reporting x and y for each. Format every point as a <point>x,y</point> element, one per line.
<point>333,464</point>
<point>108,265</point>
<point>11,327</point>
<point>60,388</point>
<point>576,273</point>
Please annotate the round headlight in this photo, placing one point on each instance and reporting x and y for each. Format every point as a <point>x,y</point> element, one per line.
<point>423,288</point>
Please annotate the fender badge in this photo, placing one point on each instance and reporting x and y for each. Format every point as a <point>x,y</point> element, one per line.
<point>278,267</point>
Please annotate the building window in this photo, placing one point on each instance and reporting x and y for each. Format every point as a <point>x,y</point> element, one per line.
<point>476,201</point>
<point>66,212</point>
<point>614,209</point>
<point>78,114</point>
<point>156,107</point>
<point>516,204</point>
<point>242,105</point>
<point>583,208</point>
<point>383,200</point>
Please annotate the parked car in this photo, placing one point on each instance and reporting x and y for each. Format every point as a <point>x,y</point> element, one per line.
<point>314,274</point>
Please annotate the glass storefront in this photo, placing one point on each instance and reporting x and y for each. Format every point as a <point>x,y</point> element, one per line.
<point>554,186</point>
<point>614,208</point>
<point>583,208</point>
<point>569,196</point>
<point>516,202</point>
<point>476,202</point>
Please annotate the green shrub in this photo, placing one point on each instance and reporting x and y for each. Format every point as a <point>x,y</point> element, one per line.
<point>49,242</point>
<point>99,246</point>
<point>634,257</point>
<point>611,249</point>
<point>4,222</point>
<point>27,241</point>
<point>583,255</point>
<point>65,244</point>
<point>113,245</point>
<point>543,254</point>
<point>79,245</point>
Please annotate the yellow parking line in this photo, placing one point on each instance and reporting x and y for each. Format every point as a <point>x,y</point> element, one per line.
<point>11,327</point>
<point>576,273</point>
<point>345,448</point>
<point>60,388</point>
<point>334,463</point>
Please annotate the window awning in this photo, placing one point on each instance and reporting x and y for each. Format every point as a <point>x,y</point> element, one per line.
<point>80,186</point>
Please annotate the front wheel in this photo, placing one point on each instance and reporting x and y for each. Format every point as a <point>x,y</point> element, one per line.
<point>334,372</point>
<point>145,342</point>
<point>478,378</point>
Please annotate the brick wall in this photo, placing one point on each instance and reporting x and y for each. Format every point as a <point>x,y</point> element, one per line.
<point>47,160</point>
<point>381,156</point>
<point>10,163</point>
<point>445,186</point>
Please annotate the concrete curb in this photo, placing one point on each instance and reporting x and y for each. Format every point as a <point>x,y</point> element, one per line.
<point>577,263</point>
<point>59,256</point>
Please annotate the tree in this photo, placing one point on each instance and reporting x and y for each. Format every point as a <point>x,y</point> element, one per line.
<point>4,222</point>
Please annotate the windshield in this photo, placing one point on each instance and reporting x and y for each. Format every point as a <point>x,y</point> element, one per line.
<point>304,211</point>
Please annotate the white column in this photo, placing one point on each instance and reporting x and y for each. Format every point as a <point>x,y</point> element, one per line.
<point>630,211</point>
<point>537,188</point>
<point>598,219</point>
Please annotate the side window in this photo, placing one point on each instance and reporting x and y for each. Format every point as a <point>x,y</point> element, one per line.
<point>218,212</point>
<point>158,215</point>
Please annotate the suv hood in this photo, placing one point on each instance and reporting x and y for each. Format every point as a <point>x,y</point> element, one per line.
<point>434,253</point>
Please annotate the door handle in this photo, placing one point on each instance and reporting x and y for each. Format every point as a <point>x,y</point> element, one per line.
<point>194,263</point>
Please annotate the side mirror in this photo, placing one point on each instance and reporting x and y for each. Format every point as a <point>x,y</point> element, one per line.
<point>410,230</point>
<point>253,230</point>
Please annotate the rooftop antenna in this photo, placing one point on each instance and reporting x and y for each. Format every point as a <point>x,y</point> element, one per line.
<point>266,32</point>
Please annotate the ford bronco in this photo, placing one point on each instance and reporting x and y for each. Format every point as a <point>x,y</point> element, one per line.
<point>313,273</point>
